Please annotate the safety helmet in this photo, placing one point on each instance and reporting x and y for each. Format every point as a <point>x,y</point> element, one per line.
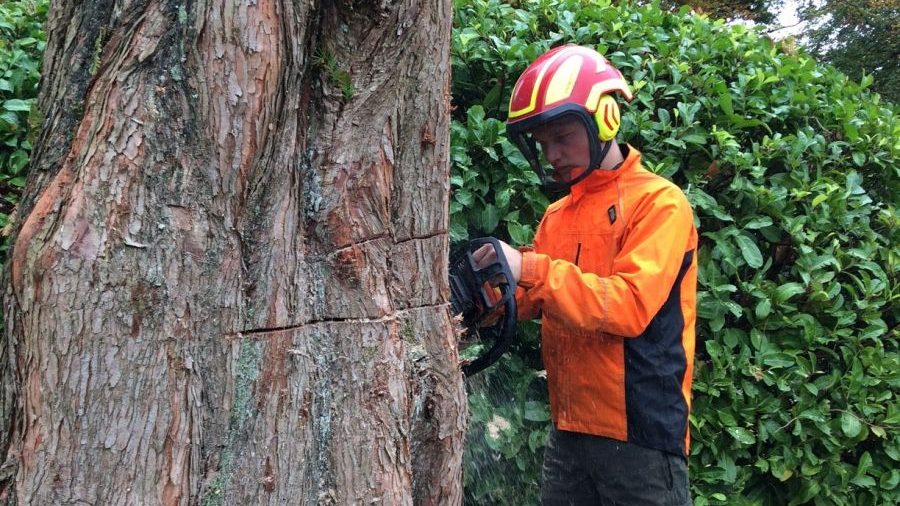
<point>566,80</point>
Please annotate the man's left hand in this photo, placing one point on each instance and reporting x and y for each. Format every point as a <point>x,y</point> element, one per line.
<point>485,255</point>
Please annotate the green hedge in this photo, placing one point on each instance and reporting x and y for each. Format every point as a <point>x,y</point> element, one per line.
<point>791,169</point>
<point>21,47</point>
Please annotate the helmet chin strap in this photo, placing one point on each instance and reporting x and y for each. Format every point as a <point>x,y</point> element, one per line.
<point>555,187</point>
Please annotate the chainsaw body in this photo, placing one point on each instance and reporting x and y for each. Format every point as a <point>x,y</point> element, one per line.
<point>485,298</point>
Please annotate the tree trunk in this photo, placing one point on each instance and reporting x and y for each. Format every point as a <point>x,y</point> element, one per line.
<point>228,283</point>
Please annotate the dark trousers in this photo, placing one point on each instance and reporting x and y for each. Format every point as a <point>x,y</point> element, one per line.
<point>580,469</point>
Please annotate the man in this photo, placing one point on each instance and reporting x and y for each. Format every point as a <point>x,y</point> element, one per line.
<point>613,277</point>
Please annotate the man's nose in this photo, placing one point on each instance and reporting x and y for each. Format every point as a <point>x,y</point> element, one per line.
<point>552,153</point>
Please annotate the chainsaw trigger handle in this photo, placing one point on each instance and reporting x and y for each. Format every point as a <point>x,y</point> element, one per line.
<point>473,294</point>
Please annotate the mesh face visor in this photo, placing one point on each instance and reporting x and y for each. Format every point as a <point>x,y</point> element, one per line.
<point>520,133</point>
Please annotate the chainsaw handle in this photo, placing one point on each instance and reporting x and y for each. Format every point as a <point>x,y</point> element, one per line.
<point>505,328</point>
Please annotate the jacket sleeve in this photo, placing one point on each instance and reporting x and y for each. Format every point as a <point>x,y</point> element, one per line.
<point>656,240</point>
<point>527,308</point>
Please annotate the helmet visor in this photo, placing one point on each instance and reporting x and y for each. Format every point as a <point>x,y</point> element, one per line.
<point>562,149</point>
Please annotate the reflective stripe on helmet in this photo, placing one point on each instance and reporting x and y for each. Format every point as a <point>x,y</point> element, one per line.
<point>563,80</point>
<point>603,88</point>
<point>564,75</point>
<point>523,82</point>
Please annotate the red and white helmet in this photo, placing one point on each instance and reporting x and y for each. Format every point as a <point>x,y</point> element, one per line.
<point>567,80</point>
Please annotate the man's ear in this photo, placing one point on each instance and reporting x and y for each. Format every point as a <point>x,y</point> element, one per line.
<point>607,118</point>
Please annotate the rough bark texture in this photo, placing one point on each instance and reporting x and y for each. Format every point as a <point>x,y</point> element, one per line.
<point>228,284</point>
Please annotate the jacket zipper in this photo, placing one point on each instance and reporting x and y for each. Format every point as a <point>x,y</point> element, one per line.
<point>577,254</point>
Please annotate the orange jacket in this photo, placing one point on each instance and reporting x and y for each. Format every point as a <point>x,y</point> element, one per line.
<point>613,273</point>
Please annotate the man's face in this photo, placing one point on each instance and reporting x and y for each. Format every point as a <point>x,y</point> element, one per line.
<point>565,145</point>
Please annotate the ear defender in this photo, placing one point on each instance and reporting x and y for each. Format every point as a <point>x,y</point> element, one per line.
<point>607,118</point>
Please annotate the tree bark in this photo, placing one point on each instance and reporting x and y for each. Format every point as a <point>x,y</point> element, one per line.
<point>228,280</point>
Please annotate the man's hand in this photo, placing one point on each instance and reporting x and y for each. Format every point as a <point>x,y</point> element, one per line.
<point>486,255</point>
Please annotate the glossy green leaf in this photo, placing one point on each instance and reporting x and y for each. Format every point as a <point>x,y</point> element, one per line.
<point>15,104</point>
<point>536,411</point>
<point>741,435</point>
<point>788,290</point>
<point>850,424</point>
<point>750,251</point>
<point>763,309</point>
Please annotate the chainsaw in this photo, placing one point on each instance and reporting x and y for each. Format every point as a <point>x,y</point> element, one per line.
<point>485,300</point>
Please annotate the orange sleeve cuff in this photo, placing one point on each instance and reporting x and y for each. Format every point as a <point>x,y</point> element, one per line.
<point>531,268</point>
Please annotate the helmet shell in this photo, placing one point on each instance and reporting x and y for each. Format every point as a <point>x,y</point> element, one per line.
<point>567,80</point>
<point>564,76</point>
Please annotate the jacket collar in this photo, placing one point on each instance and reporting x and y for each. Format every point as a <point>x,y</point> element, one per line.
<point>601,177</point>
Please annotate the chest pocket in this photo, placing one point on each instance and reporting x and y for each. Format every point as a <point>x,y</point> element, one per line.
<point>598,231</point>
<point>588,233</point>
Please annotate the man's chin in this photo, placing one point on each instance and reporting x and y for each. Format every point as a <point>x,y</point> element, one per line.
<point>565,175</point>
